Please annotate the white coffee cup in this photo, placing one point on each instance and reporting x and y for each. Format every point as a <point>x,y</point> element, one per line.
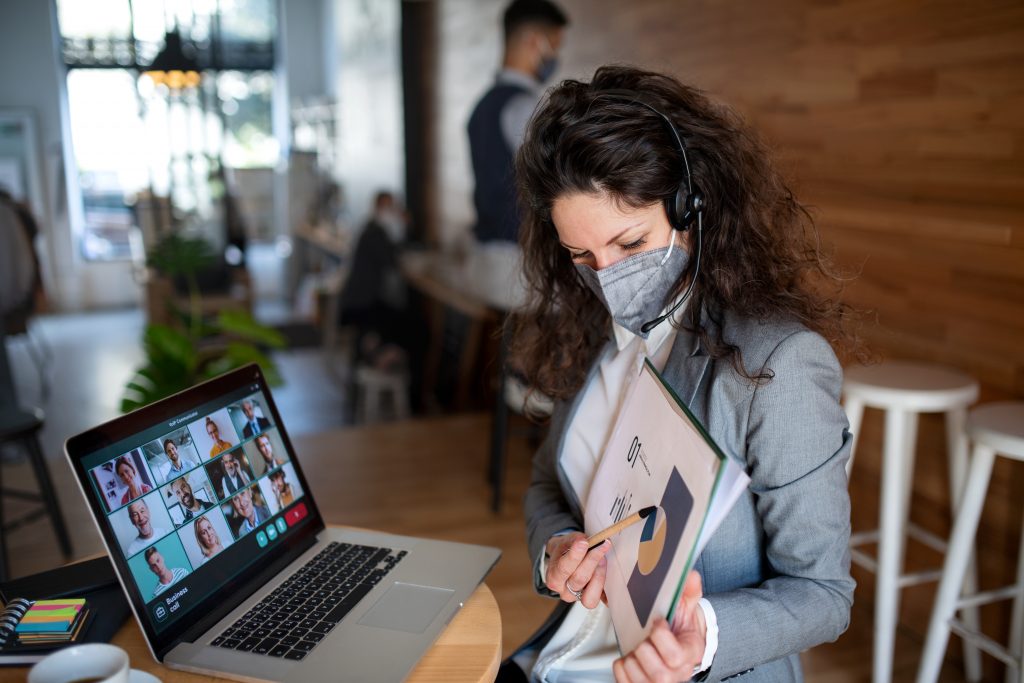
<point>95,661</point>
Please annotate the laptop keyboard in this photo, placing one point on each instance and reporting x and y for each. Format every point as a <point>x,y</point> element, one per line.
<point>301,611</point>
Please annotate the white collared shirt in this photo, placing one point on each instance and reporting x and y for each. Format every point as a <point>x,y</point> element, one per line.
<point>584,646</point>
<point>518,110</point>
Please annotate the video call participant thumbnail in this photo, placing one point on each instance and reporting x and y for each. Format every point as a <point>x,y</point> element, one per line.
<point>141,517</point>
<point>214,433</point>
<point>191,505</point>
<point>231,473</point>
<point>248,511</point>
<point>219,444</point>
<point>284,492</point>
<point>128,472</point>
<point>254,424</point>
<point>205,537</point>
<point>165,577</point>
<point>177,463</point>
<point>159,567</point>
<point>266,452</point>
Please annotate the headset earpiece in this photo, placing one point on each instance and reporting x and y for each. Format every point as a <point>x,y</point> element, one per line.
<point>676,208</point>
<point>683,207</point>
<point>694,205</point>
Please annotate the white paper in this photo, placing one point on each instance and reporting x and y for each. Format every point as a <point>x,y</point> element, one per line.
<point>656,456</point>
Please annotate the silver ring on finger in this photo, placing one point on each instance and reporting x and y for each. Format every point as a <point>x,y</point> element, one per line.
<point>578,594</point>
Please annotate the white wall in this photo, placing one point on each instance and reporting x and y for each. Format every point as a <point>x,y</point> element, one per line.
<point>309,56</point>
<point>371,143</point>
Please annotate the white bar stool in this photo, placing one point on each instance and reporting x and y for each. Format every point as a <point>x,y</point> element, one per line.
<point>372,386</point>
<point>995,429</point>
<point>904,390</point>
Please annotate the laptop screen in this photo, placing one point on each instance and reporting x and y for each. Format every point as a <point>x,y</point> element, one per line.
<point>195,500</point>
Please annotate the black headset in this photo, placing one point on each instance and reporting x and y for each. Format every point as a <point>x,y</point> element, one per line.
<point>685,207</point>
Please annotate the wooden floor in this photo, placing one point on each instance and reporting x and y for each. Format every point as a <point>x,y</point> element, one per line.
<point>421,477</point>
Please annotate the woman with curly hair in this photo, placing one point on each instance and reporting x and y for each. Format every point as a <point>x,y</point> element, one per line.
<point>655,226</point>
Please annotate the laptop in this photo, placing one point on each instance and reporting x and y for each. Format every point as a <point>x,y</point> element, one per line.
<point>222,551</point>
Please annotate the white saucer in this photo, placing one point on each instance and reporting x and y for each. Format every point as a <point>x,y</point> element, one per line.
<point>137,676</point>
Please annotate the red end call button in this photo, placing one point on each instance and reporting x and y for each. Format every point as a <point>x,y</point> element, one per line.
<point>295,514</point>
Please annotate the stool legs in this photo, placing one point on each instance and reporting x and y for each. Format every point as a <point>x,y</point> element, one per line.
<point>499,428</point>
<point>47,494</point>
<point>897,462</point>
<point>4,569</point>
<point>400,401</point>
<point>958,556</point>
<point>855,416</point>
<point>1017,621</point>
<point>956,440</point>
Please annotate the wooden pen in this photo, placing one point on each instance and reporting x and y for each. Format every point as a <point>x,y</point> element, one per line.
<point>601,536</point>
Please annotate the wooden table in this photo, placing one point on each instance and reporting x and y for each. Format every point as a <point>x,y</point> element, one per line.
<point>443,278</point>
<point>469,649</point>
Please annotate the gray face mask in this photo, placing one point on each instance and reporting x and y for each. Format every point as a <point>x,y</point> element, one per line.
<point>634,290</point>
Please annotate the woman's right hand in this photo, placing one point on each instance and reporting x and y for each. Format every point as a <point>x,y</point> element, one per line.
<point>572,569</point>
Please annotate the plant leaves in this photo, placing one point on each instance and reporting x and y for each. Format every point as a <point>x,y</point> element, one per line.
<point>241,324</point>
<point>176,254</point>
<point>177,360</point>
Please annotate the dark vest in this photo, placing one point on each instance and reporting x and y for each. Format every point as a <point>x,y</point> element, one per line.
<point>497,212</point>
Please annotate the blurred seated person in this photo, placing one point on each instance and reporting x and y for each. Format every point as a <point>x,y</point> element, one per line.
<point>20,280</point>
<point>373,300</point>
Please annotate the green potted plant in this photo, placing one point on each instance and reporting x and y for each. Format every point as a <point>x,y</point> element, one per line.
<point>198,347</point>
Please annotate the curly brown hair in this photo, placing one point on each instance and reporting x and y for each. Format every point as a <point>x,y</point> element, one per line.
<point>761,257</point>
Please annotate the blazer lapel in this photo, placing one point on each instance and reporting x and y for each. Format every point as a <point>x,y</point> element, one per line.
<point>685,369</point>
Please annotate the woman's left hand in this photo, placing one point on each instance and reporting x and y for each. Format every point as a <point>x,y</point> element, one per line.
<point>669,654</point>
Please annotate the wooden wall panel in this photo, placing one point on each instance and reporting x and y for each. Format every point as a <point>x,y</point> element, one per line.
<point>900,122</point>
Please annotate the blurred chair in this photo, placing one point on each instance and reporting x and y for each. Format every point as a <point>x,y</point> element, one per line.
<point>18,327</point>
<point>995,429</point>
<point>337,339</point>
<point>903,391</point>
<point>512,394</point>
<point>21,428</point>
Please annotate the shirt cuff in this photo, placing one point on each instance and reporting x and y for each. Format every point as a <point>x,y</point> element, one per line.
<point>542,562</point>
<point>711,638</point>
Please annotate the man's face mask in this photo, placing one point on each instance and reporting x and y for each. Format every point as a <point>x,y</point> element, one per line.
<point>635,289</point>
<point>548,62</point>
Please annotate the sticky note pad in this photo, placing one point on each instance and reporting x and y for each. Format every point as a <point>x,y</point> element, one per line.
<point>52,616</point>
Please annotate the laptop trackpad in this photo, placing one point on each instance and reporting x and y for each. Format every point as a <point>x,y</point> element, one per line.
<point>407,607</point>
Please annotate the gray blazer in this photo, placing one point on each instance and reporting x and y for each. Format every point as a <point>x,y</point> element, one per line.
<point>777,571</point>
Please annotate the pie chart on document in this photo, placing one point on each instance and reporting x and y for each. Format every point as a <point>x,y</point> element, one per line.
<point>652,542</point>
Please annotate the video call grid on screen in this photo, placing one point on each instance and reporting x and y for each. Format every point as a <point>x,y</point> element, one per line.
<point>230,461</point>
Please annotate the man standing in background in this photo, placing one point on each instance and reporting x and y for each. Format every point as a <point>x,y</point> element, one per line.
<point>533,35</point>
